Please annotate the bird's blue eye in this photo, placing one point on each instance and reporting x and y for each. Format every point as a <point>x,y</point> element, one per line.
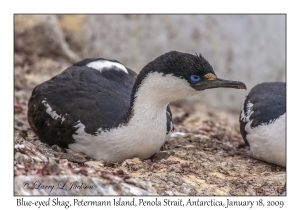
<point>195,78</point>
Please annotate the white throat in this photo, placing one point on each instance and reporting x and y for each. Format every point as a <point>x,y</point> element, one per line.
<point>157,91</point>
<point>146,130</point>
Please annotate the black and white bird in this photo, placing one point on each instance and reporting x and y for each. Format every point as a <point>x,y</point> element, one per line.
<point>103,109</point>
<point>262,122</point>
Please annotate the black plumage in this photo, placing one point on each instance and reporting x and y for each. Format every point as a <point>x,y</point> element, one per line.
<point>99,100</point>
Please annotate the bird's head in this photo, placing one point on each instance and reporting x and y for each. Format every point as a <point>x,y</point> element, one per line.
<point>194,69</point>
<point>180,75</point>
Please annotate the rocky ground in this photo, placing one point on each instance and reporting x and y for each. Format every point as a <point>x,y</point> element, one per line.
<point>205,156</point>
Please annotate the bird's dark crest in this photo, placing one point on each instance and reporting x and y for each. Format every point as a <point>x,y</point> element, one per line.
<point>203,62</point>
<point>199,56</point>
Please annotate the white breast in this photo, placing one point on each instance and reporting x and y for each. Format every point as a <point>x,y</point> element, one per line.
<point>146,131</point>
<point>268,142</point>
<point>118,144</point>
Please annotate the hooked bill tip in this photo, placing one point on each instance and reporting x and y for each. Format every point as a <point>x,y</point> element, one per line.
<point>242,86</point>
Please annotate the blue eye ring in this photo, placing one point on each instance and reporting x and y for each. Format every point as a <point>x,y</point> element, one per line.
<point>195,78</point>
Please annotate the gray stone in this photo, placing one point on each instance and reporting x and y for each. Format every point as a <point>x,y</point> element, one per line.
<point>249,48</point>
<point>41,34</point>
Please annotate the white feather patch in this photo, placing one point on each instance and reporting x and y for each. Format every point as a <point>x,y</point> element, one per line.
<point>246,114</point>
<point>101,64</point>
<point>50,111</point>
<point>53,113</point>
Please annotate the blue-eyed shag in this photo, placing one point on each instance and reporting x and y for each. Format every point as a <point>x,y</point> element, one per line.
<point>103,109</point>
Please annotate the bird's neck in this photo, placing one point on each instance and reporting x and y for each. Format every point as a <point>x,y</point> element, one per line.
<point>151,95</point>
